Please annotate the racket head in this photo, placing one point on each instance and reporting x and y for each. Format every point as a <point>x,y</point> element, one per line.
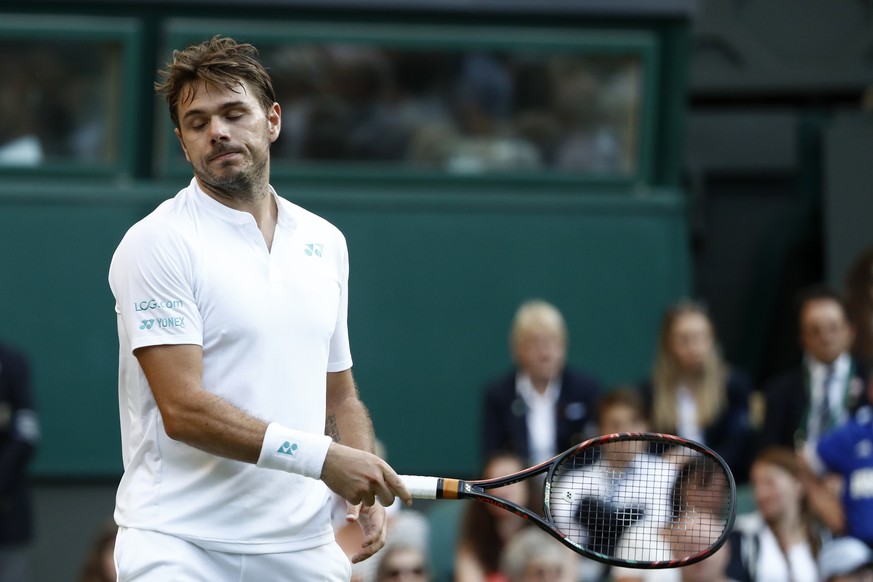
<point>641,500</point>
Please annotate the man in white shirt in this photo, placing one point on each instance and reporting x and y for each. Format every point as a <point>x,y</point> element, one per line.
<point>234,358</point>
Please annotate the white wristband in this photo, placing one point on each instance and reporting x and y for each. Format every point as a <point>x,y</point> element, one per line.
<point>293,451</point>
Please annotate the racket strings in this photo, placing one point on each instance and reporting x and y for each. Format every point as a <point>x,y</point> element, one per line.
<point>640,501</point>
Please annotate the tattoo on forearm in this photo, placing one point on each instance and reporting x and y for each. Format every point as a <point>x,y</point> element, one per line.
<point>331,429</point>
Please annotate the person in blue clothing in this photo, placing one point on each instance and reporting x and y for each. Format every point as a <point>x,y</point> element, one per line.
<point>542,406</point>
<point>693,392</point>
<point>847,451</point>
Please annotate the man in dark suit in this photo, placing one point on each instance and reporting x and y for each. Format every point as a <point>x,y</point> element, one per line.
<point>805,402</point>
<point>19,433</point>
<point>541,407</point>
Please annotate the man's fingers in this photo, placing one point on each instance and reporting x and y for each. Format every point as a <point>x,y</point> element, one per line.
<point>353,510</point>
<point>396,483</point>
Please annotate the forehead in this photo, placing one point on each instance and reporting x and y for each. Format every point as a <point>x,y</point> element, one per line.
<point>822,310</point>
<point>691,321</point>
<point>202,94</point>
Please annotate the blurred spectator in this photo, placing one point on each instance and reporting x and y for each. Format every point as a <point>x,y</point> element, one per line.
<point>693,392</point>
<point>19,435</point>
<point>820,393</point>
<point>99,565</point>
<point>20,144</point>
<point>402,563</point>
<point>532,555</point>
<point>622,496</point>
<point>780,541</point>
<point>845,560</point>
<point>542,407</point>
<point>711,569</point>
<point>486,529</point>
<point>847,451</point>
<point>859,303</point>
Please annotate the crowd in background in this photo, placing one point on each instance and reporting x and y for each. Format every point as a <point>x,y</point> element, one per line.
<point>800,444</point>
<point>456,110</point>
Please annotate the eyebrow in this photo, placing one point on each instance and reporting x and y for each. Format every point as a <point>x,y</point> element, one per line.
<point>223,107</point>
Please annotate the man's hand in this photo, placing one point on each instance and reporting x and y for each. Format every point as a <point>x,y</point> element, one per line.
<point>374,524</point>
<point>361,477</point>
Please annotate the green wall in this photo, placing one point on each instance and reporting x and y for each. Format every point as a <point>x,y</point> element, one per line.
<point>435,279</point>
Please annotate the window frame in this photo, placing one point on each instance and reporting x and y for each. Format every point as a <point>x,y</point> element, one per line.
<point>127,32</point>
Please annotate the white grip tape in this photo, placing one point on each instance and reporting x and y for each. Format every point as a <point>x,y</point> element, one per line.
<point>421,487</point>
<point>294,451</point>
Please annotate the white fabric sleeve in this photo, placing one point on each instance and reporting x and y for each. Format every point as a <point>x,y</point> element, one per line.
<point>339,357</point>
<point>152,280</point>
<point>294,451</point>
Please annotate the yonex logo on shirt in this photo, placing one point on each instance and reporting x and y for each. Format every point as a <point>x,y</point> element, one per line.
<point>288,449</point>
<point>163,322</point>
<point>313,249</point>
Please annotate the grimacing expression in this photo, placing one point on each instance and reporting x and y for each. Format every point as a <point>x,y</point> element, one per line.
<point>226,136</point>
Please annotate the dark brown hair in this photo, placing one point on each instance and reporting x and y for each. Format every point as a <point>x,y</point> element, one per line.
<point>220,61</point>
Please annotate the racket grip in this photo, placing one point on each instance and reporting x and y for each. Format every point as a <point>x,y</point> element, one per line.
<point>421,487</point>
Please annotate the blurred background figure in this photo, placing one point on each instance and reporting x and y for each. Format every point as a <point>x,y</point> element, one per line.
<point>818,395</point>
<point>845,456</point>
<point>19,435</point>
<point>99,565</point>
<point>486,529</point>
<point>858,293</point>
<point>845,560</point>
<point>712,569</point>
<point>534,556</point>
<point>693,392</point>
<point>402,563</point>
<point>780,541</point>
<point>542,406</point>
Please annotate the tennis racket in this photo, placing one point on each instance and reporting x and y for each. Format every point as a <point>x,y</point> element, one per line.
<point>641,500</point>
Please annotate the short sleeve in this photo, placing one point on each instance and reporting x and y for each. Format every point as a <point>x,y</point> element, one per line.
<point>152,279</point>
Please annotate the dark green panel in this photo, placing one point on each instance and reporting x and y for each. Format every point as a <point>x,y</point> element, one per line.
<point>435,280</point>
<point>55,303</point>
<point>433,293</point>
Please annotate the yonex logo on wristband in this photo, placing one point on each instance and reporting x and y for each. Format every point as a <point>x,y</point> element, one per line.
<point>288,449</point>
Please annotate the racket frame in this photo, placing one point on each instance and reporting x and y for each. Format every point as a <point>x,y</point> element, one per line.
<point>478,490</point>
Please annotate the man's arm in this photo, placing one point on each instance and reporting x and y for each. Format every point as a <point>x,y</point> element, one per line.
<point>350,466</point>
<point>193,415</point>
<point>207,422</point>
<point>348,423</point>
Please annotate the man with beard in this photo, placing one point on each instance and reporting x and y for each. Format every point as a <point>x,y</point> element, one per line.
<point>238,406</point>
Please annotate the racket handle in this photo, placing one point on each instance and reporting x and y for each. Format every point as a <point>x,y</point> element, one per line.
<point>421,487</point>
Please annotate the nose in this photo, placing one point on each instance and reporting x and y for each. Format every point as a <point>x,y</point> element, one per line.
<point>217,130</point>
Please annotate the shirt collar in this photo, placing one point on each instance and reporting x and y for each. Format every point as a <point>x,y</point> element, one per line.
<point>525,388</point>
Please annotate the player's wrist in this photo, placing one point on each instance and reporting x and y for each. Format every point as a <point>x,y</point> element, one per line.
<point>294,451</point>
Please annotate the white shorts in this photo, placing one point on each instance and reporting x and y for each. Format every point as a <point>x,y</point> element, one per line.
<point>148,556</point>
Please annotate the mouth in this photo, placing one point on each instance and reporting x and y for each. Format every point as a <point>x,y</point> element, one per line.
<point>222,156</point>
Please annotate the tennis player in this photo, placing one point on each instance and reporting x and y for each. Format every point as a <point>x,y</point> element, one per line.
<point>238,406</point>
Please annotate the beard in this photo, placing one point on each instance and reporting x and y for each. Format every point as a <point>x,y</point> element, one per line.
<point>245,183</point>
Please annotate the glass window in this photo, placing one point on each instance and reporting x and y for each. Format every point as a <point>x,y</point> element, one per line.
<point>455,101</point>
<point>59,101</point>
<point>461,111</point>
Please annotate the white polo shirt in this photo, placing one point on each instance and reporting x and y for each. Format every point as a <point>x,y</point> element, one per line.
<point>271,324</point>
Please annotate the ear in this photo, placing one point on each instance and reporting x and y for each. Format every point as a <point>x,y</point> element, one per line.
<point>182,142</point>
<point>274,122</point>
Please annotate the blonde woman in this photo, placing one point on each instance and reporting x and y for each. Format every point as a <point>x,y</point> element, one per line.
<point>542,406</point>
<point>693,392</point>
